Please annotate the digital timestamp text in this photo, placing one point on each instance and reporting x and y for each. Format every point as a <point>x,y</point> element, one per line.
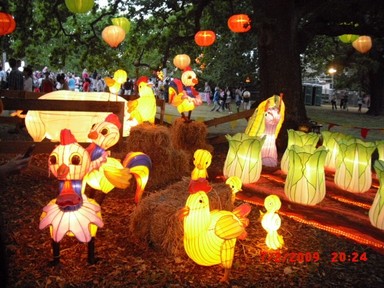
<point>307,257</point>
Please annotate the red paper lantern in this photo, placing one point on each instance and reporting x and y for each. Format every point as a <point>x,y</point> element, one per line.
<point>205,38</point>
<point>113,35</point>
<point>7,24</point>
<point>363,44</point>
<point>239,23</point>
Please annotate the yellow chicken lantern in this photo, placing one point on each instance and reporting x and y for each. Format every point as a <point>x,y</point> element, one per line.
<point>71,213</point>
<point>235,184</point>
<point>210,236</point>
<point>271,222</point>
<point>202,159</point>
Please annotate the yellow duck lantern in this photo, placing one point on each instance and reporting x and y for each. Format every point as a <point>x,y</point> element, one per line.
<point>210,236</point>
<point>271,222</point>
<point>235,184</point>
<point>202,159</point>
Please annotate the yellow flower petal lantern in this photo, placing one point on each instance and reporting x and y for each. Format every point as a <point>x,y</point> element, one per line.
<point>353,165</point>
<point>362,44</point>
<point>113,35</point>
<point>297,138</point>
<point>239,23</point>
<point>271,222</point>
<point>210,236</point>
<point>305,182</point>
<point>348,38</point>
<point>123,23</point>
<point>266,121</point>
<point>330,140</point>
<point>79,6</point>
<point>181,61</point>
<point>244,157</point>
<point>205,38</point>
<point>380,149</point>
<point>376,212</point>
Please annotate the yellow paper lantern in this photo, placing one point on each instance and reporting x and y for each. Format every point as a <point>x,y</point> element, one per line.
<point>79,6</point>
<point>305,182</point>
<point>376,212</point>
<point>348,38</point>
<point>363,44</point>
<point>353,165</point>
<point>48,124</point>
<point>271,222</point>
<point>244,157</point>
<point>266,121</point>
<point>181,61</point>
<point>297,138</point>
<point>120,76</point>
<point>210,237</point>
<point>123,23</point>
<point>113,35</point>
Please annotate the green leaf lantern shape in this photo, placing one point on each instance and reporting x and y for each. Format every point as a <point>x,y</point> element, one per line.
<point>353,165</point>
<point>244,157</point>
<point>376,212</point>
<point>380,149</point>
<point>305,182</point>
<point>298,138</point>
<point>330,142</point>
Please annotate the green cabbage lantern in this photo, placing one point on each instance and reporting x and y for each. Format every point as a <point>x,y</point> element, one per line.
<point>330,142</point>
<point>380,149</point>
<point>376,212</point>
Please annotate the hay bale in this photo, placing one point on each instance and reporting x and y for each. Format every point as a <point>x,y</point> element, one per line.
<point>168,163</point>
<point>190,136</point>
<point>155,219</point>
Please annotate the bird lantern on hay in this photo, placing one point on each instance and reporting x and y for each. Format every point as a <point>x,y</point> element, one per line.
<point>266,121</point>
<point>376,212</point>
<point>205,38</point>
<point>297,138</point>
<point>362,44</point>
<point>113,35</point>
<point>7,24</point>
<point>271,222</point>
<point>353,165</point>
<point>79,6</point>
<point>239,23</point>
<point>210,237</point>
<point>348,38</point>
<point>71,213</point>
<point>305,182</point>
<point>181,61</point>
<point>123,23</point>
<point>244,157</point>
<point>202,159</point>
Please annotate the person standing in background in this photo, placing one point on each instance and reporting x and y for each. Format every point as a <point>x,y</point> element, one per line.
<point>16,78</point>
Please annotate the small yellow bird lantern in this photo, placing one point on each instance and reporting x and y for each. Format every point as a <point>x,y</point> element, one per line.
<point>266,121</point>
<point>235,184</point>
<point>376,212</point>
<point>120,76</point>
<point>271,222</point>
<point>297,138</point>
<point>113,35</point>
<point>123,23</point>
<point>244,157</point>
<point>362,44</point>
<point>202,159</point>
<point>79,6</point>
<point>353,165</point>
<point>181,61</point>
<point>305,182</point>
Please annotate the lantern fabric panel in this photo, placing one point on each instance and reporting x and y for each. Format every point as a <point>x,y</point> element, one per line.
<point>298,138</point>
<point>205,38</point>
<point>380,149</point>
<point>362,44</point>
<point>113,35</point>
<point>244,157</point>
<point>239,23</point>
<point>376,212</point>
<point>79,6</point>
<point>305,183</point>
<point>181,61</point>
<point>353,165</point>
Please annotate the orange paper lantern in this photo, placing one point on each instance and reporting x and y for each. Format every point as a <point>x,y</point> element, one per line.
<point>7,24</point>
<point>113,35</point>
<point>363,44</point>
<point>239,23</point>
<point>181,61</point>
<point>205,38</point>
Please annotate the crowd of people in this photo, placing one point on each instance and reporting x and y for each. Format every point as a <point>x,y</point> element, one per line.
<point>222,99</point>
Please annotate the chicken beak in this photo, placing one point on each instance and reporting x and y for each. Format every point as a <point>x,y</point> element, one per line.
<point>182,212</point>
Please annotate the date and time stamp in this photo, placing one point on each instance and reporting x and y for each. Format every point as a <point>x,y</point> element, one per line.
<point>313,257</point>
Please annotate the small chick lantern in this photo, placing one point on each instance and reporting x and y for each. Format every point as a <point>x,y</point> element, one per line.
<point>210,236</point>
<point>202,159</point>
<point>235,184</point>
<point>71,213</point>
<point>271,222</point>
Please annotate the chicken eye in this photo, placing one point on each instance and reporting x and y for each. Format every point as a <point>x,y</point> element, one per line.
<point>104,132</point>
<point>200,201</point>
<point>52,159</point>
<point>93,126</point>
<point>75,159</point>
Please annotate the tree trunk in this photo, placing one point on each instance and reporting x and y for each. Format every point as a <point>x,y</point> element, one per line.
<point>279,60</point>
<point>376,91</point>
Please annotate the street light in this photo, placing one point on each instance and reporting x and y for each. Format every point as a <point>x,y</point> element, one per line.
<point>332,71</point>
